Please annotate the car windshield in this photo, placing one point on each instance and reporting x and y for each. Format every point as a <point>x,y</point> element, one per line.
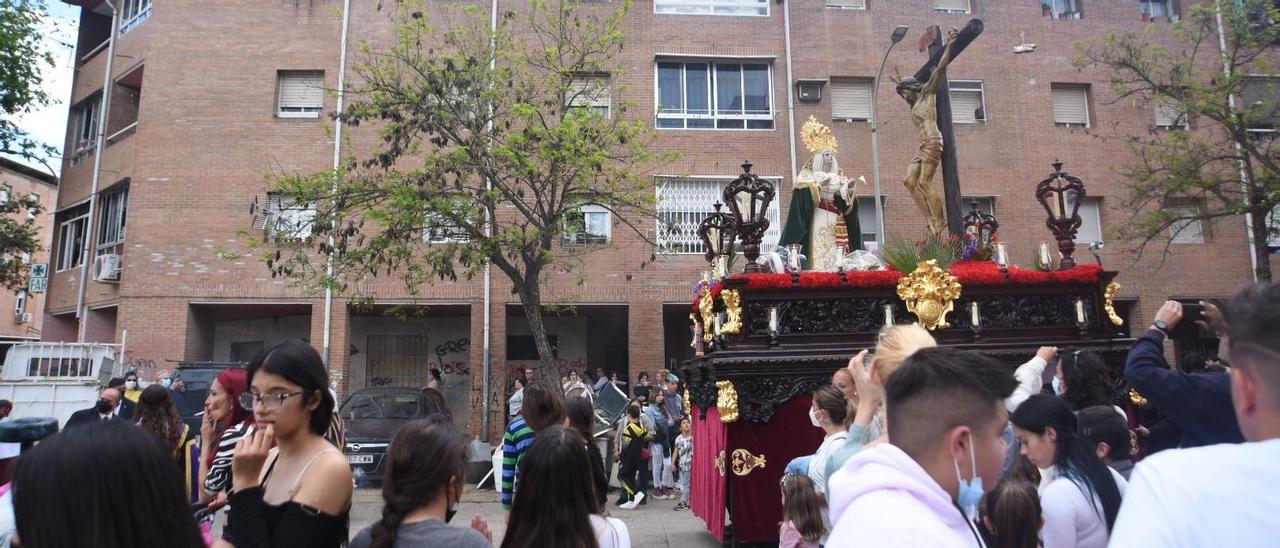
<point>382,406</point>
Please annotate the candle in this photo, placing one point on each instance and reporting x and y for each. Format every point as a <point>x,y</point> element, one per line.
<point>841,250</point>
<point>717,331</point>
<point>888,314</point>
<point>706,276</point>
<point>715,240</point>
<point>1002,255</point>
<point>973,315</point>
<point>773,319</point>
<point>793,256</point>
<point>1044,257</point>
<point>1079,311</point>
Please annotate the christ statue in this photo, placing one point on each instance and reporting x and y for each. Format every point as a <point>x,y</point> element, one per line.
<point>924,115</point>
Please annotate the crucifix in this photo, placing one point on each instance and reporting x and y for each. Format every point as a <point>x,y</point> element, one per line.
<point>929,96</point>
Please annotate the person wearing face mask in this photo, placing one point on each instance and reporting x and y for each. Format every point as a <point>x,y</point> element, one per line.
<point>946,414</point>
<point>103,410</point>
<point>131,389</point>
<point>165,379</point>
<point>126,408</point>
<point>422,490</point>
<point>828,413</point>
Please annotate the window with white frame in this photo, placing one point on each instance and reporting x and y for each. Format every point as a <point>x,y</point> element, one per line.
<point>714,95</point>
<point>113,207</point>
<point>73,223</point>
<point>289,220</point>
<point>300,93</point>
<point>847,4</point>
<point>20,302</point>
<point>712,7</point>
<point>683,202</point>
<point>1273,228</point>
<point>440,231</point>
<point>951,6</point>
<point>84,127</point>
<point>1261,102</point>
<point>587,225</point>
<point>851,99</point>
<point>589,93</point>
<point>1090,221</point>
<point>5,192</point>
<point>986,204</point>
<point>1070,104</point>
<point>867,221</point>
<point>1168,115</point>
<point>1155,8</point>
<point>968,103</point>
<point>133,13</point>
<point>1060,9</point>
<point>31,211</point>
<point>1187,230</point>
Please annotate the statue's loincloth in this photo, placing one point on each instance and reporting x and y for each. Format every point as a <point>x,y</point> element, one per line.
<point>930,151</point>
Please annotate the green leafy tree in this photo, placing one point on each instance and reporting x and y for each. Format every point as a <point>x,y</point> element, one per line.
<point>19,235</point>
<point>23,58</point>
<point>487,150</point>
<point>1226,165</point>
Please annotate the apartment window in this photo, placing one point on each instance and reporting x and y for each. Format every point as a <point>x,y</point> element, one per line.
<point>20,303</point>
<point>968,104</point>
<point>441,231</point>
<point>31,211</point>
<point>1071,105</point>
<point>589,94</point>
<point>1060,9</point>
<point>1273,228</point>
<point>1168,115</point>
<point>1186,231</point>
<point>72,226</point>
<point>683,202</point>
<point>1090,221</point>
<point>712,7</point>
<point>587,225</point>
<point>113,207</point>
<point>1260,104</point>
<point>1155,8</point>
<point>289,219</point>
<point>714,95</point>
<point>867,220</point>
<point>851,99</point>
<point>5,192</point>
<point>986,204</point>
<point>951,6</point>
<point>301,94</point>
<point>84,127</point>
<point>133,13</point>
<point>847,4</point>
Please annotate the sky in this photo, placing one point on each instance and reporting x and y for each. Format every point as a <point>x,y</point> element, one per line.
<point>49,124</point>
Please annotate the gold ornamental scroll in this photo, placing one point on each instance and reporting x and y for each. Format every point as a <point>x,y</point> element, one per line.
<point>727,401</point>
<point>1109,306</point>
<point>733,308</point>
<point>743,462</point>
<point>929,293</point>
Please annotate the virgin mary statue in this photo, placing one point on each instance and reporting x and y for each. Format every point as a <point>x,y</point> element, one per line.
<point>824,205</point>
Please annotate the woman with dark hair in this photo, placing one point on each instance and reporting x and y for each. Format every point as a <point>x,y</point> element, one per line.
<point>1082,380</point>
<point>1081,503</point>
<point>1011,516</point>
<point>663,424</point>
<point>542,407</point>
<point>65,493</point>
<point>828,412</point>
<point>157,414</point>
<point>304,495</point>
<point>421,491</point>
<point>556,505</point>
<point>582,417</point>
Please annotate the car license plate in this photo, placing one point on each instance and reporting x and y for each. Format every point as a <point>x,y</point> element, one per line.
<point>360,459</point>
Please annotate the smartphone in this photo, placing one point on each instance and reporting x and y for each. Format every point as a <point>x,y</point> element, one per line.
<point>1187,328</point>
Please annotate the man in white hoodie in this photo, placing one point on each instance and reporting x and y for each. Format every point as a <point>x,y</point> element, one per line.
<point>945,414</point>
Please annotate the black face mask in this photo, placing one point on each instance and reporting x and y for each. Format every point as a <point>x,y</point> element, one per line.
<point>103,406</point>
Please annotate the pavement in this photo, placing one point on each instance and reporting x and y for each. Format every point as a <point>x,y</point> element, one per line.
<point>652,524</point>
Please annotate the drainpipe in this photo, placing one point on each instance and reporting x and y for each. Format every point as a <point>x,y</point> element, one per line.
<point>791,99</point>
<point>1244,175</point>
<point>488,232</point>
<point>108,82</point>
<point>333,189</point>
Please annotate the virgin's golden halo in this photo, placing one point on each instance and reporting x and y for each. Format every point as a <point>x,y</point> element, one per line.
<point>818,137</point>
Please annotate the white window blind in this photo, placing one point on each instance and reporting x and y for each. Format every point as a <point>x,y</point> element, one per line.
<point>967,102</point>
<point>712,7</point>
<point>848,4</point>
<point>301,94</point>
<point>867,220</point>
<point>1071,104</point>
<point>851,99</point>
<point>590,93</point>
<point>289,219</point>
<point>1090,222</point>
<point>960,6</point>
<point>1167,115</point>
<point>1187,231</point>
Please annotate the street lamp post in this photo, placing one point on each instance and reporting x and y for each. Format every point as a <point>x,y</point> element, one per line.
<point>898,34</point>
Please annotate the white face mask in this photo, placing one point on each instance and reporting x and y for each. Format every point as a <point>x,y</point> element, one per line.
<point>131,384</point>
<point>813,418</point>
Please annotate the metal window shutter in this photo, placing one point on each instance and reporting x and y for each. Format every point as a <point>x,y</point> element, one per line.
<point>1070,105</point>
<point>959,5</point>
<point>855,4</point>
<point>589,92</point>
<point>1166,113</point>
<point>1190,231</point>
<point>850,99</point>
<point>302,90</point>
<point>1090,222</point>
<point>965,105</point>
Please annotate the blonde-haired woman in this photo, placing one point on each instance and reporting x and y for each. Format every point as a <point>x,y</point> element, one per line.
<point>895,345</point>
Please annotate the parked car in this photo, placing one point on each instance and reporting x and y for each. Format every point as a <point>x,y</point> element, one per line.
<point>372,417</point>
<point>197,377</point>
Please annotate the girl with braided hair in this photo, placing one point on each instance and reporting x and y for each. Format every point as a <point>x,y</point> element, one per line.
<point>421,491</point>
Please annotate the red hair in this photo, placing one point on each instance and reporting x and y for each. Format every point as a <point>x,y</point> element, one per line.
<point>234,381</point>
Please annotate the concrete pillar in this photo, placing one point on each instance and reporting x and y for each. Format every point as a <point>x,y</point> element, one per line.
<point>498,375</point>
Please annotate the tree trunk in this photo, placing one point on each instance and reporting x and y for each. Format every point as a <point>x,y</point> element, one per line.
<point>531,299</point>
<point>1260,249</point>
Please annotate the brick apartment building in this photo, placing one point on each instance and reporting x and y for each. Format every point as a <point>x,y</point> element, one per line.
<point>210,96</point>
<point>17,179</point>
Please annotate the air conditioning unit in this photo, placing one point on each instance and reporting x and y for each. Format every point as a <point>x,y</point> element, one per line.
<point>106,268</point>
<point>22,317</point>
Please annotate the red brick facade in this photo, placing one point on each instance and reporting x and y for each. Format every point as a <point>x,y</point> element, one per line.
<point>207,136</point>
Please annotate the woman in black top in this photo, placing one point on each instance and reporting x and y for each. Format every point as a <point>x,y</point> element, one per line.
<point>582,417</point>
<point>304,497</point>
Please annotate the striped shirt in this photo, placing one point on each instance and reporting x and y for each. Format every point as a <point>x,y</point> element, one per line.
<point>514,443</point>
<point>218,479</point>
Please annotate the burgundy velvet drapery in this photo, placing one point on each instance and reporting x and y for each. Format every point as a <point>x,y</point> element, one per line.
<point>757,498</point>
<point>708,488</point>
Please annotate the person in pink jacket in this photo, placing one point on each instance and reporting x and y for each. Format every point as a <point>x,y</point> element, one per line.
<point>947,410</point>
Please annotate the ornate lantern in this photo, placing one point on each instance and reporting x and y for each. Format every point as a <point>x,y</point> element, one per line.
<point>718,231</point>
<point>981,225</point>
<point>1061,195</point>
<point>755,194</point>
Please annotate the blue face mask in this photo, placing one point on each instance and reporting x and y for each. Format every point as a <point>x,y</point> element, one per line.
<point>971,490</point>
<point>166,382</point>
<point>1057,386</point>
